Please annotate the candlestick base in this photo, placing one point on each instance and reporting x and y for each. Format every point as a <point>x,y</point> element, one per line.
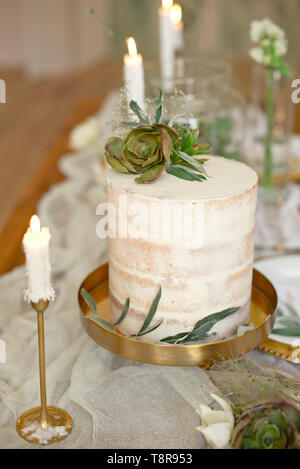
<point>58,426</point>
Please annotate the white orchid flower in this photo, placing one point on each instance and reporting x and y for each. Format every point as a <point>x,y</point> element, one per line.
<point>84,134</point>
<point>216,425</point>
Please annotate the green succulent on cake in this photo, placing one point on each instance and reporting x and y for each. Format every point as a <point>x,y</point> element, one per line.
<point>274,425</point>
<point>150,148</point>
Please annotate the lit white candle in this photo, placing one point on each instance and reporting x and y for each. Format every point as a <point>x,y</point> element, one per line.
<point>176,18</point>
<point>36,247</point>
<point>167,51</point>
<point>134,73</point>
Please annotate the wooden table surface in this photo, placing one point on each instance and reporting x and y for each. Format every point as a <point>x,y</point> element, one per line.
<point>47,174</point>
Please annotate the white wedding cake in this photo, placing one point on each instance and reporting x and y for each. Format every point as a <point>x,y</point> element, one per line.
<point>194,240</point>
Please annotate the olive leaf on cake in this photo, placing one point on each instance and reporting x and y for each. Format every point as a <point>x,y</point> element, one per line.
<point>199,332</point>
<point>146,327</point>
<point>201,329</point>
<point>150,148</point>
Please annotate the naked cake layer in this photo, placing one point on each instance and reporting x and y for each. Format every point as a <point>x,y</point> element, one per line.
<point>193,239</point>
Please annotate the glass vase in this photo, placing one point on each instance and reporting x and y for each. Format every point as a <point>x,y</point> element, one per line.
<point>203,95</point>
<point>270,122</point>
<point>190,75</point>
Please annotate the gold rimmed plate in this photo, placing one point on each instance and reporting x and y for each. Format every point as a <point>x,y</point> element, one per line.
<point>263,306</point>
<point>283,268</point>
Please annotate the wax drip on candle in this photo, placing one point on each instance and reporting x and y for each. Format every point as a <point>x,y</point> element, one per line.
<point>38,269</point>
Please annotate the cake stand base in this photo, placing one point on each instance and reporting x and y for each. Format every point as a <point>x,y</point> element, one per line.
<point>263,306</point>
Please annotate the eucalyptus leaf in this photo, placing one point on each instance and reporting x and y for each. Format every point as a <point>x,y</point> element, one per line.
<point>92,305</point>
<point>197,338</point>
<point>193,162</point>
<point>158,97</point>
<point>158,114</point>
<point>175,338</point>
<point>89,300</point>
<point>147,331</point>
<point>187,165</point>
<point>139,112</point>
<point>184,173</point>
<point>159,110</point>
<point>151,313</point>
<point>288,332</point>
<point>217,317</point>
<point>101,321</point>
<point>124,313</point>
<point>201,328</point>
<point>131,124</point>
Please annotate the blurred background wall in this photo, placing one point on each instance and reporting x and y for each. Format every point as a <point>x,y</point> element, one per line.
<point>53,56</point>
<point>47,37</point>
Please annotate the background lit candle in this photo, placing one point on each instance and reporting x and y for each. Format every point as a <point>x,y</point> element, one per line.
<point>167,51</point>
<point>36,247</point>
<point>176,18</point>
<point>134,73</point>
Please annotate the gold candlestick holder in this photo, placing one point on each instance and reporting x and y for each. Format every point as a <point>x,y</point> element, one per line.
<point>43,425</point>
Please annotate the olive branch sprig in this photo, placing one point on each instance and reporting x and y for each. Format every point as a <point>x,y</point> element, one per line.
<point>201,331</point>
<point>146,327</point>
<point>149,148</point>
<point>143,118</point>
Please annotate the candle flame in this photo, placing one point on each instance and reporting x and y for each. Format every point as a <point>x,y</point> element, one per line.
<point>167,4</point>
<point>35,223</point>
<point>176,14</point>
<point>132,50</point>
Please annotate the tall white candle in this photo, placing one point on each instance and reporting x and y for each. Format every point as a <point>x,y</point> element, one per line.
<point>176,18</point>
<point>36,247</point>
<point>134,74</point>
<point>167,51</point>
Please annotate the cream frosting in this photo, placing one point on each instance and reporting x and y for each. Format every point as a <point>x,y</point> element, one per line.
<point>227,178</point>
<point>196,280</point>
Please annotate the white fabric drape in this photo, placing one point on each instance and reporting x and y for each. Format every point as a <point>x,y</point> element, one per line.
<point>114,402</point>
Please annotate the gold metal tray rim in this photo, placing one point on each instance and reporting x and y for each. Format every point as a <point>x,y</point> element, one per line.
<point>178,355</point>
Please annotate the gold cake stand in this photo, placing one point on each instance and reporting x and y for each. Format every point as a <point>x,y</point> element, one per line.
<point>263,306</point>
